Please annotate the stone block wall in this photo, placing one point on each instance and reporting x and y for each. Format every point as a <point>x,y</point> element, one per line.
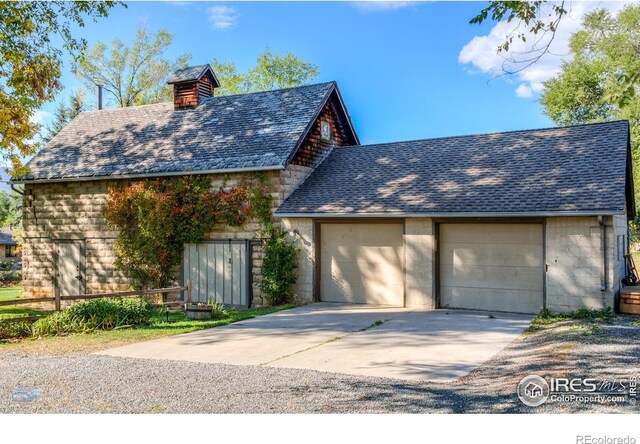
<point>72,210</point>
<point>60,211</point>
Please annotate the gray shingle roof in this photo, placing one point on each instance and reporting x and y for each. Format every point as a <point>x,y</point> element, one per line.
<point>6,237</point>
<point>229,132</point>
<point>190,73</point>
<point>570,169</point>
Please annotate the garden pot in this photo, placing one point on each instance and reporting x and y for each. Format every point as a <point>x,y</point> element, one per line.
<point>199,312</point>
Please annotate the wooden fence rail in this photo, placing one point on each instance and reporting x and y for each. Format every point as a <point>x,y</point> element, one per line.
<point>117,294</point>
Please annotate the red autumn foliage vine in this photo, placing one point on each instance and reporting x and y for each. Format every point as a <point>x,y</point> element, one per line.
<point>157,217</point>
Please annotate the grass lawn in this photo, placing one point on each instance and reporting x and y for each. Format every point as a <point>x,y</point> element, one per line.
<point>14,311</point>
<point>159,327</point>
<point>9,293</point>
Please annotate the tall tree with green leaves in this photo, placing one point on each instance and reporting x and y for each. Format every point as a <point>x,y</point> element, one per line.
<point>130,76</point>
<point>586,89</point>
<point>271,71</point>
<point>65,112</point>
<point>33,36</point>
<point>10,209</point>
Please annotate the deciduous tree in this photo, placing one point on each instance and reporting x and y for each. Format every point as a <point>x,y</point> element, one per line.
<point>33,36</point>
<point>130,76</point>
<point>586,89</point>
<point>271,71</point>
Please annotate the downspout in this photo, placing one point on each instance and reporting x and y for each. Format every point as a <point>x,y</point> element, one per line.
<point>17,190</point>
<point>603,251</point>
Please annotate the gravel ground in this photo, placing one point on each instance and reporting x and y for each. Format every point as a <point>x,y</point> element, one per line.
<point>81,383</point>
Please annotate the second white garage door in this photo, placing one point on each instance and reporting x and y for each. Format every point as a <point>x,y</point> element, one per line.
<point>491,267</point>
<point>362,263</point>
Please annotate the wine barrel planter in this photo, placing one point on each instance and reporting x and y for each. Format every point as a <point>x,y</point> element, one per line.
<point>630,300</point>
<point>198,312</point>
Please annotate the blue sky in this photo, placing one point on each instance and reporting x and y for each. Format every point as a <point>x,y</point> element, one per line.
<point>406,70</point>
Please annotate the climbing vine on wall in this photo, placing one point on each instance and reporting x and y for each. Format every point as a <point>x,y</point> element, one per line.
<point>157,217</point>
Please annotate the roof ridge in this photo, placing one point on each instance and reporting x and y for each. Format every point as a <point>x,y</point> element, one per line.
<point>462,136</point>
<point>272,90</point>
<point>127,107</point>
<point>208,99</point>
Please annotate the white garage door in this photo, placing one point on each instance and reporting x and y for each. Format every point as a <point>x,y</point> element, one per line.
<point>491,267</point>
<point>362,263</point>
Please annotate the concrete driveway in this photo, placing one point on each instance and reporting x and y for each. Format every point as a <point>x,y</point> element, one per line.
<point>440,345</point>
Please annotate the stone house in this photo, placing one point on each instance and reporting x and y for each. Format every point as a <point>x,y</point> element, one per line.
<point>512,221</point>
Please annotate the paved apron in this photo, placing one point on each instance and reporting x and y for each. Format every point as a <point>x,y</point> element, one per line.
<point>440,345</point>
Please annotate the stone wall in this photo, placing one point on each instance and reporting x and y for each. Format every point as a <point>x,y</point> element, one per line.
<point>72,210</point>
<point>67,211</point>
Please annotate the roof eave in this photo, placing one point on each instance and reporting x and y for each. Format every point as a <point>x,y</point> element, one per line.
<point>148,175</point>
<point>449,215</point>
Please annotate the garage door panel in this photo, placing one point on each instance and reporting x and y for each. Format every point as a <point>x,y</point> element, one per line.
<point>491,254</point>
<point>491,267</point>
<point>487,234</point>
<point>362,263</point>
<point>517,301</point>
<point>360,235</point>
<point>360,292</point>
<point>365,271</point>
<point>364,253</point>
<point>516,278</point>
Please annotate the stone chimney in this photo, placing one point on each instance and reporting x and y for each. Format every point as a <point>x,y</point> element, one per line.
<point>191,85</point>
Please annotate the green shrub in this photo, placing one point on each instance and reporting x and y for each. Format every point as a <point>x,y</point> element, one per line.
<point>11,330</point>
<point>59,322</point>
<point>603,315</point>
<point>10,275</point>
<point>278,267</point>
<point>98,314</point>
<point>548,317</point>
<point>107,314</point>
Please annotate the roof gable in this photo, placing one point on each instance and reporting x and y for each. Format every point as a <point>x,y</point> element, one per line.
<point>227,133</point>
<point>570,170</point>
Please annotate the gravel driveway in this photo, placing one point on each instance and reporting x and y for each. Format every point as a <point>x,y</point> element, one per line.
<point>89,383</point>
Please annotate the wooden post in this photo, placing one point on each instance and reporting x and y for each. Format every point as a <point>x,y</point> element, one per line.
<point>189,289</point>
<point>57,299</point>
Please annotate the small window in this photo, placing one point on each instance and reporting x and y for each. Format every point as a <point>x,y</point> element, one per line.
<point>325,130</point>
<point>10,251</point>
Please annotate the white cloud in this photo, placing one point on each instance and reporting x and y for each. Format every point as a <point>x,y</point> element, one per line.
<point>378,6</point>
<point>222,17</point>
<point>39,116</point>
<point>481,52</point>
<point>524,91</point>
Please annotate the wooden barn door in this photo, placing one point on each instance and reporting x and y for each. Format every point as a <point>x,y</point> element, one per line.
<point>69,268</point>
<point>218,271</point>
